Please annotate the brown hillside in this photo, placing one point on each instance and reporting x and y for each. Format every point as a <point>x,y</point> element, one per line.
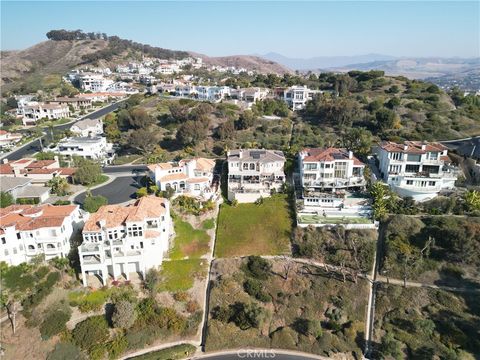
<point>45,58</point>
<point>245,61</point>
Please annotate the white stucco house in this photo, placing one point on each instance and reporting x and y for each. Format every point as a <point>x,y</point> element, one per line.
<point>254,173</point>
<point>192,177</point>
<point>87,127</point>
<point>417,169</point>
<point>120,240</point>
<point>27,231</point>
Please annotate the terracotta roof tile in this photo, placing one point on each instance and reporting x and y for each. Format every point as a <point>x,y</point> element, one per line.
<point>117,215</point>
<point>30,217</point>
<point>172,177</point>
<point>329,155</point>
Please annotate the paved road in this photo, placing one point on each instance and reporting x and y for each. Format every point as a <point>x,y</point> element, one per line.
<point>35,146</point>
<point>259,355</point>
<point>118,191</point>
<point>466,147</point>
<point>125,169</point>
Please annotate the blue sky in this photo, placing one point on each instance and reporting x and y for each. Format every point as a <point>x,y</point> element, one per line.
<point>295,29</point>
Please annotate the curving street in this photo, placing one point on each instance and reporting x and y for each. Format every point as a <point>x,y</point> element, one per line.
<point>35,146</point>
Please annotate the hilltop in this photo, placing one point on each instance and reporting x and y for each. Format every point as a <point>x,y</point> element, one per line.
<point>42,65</point>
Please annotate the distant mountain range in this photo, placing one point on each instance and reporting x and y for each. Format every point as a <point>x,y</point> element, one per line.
<point>324,62</point>
<point>428,66</point>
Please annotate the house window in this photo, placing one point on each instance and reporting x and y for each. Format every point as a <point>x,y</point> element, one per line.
<point>245,166</point>
<point>6,252</point>
<point>431,183</point>
<point>141,244</point>
<point>310,166</point>
<point>412,168</point>
<point>252,166</point>
<point>3,241</point>
<point>414,157</point>
<point>396,156</point>
<point>135,231</point>
<point>197,186</point>
<point>433,156</point>
<point>31,247</point>
<point>409,182</point>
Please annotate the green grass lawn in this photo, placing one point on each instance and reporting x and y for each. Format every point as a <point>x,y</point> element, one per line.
<point>179,275</point>
<point>101,179</point>
<point>250,229</point>
<point>208,224</point>
<point>189,242</point>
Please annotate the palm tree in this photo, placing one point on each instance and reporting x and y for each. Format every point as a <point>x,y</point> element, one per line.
<point>61,264</point>
<point>472,200</point>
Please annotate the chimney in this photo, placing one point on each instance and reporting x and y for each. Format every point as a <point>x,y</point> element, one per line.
<point>350,155</point>
<point>5,161</point>
<point>424,146</point>
<point>102,223</point>
<point>405,147</point>
<point>55,158</point>
<point>240,153</point>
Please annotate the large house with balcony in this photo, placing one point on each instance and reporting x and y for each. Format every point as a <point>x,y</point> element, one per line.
<point>32,111</point>
<point>119,240</point>
<point>295,96</point>
<point>192,177</point>
<point>416,169</point>
<point>332,181</point>
<point>89,147</point>
<point>27,231</point>
<point>254,173</point>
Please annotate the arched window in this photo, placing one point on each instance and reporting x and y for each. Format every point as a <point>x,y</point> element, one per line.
<point>31,247</point>
<point>50,246</point>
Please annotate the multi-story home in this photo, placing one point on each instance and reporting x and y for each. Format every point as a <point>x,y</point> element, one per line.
<point>8,139</point>
<point>253,173</point>
<point>94,148</point>
<point>295,96</point>
<point>27,231</point>
<point>417,169</point>
<point>326,173</point>
<point>77,103</point>
<point>93,82</point>
<point>211,93</point>
<point>253,94</point>
<point>87,127</point>
<point>193,177</point>
<point>124,239</point>
<point>32,111</point>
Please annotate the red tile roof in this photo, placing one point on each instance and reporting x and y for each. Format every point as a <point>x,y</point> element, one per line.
<point>329,154</point>
<point>117,215</point>
<point>413,147</point>
<point>32,217</point>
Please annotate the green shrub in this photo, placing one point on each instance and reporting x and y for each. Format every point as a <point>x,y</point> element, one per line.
<point>54,323</point>
<point>41,272</point>
<point>258,268</point>
<point>93,203</point>
<point>117,347</point>
<point>124,314</point>
<point>66,350</point>
<point>254,288</point>
<point>91,331</point>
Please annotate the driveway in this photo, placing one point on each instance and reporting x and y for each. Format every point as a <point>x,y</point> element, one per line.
<point>120,190</point>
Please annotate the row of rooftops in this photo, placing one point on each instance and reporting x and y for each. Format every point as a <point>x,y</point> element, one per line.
<point>33,217</point>
<point>27,166</point>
